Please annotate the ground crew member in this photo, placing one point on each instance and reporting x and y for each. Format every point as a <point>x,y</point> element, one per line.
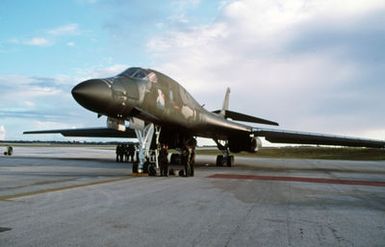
<point>193,145</point>
<point>185,160</point>
<point>163,161</point>
<point>131,152</point>
<point>117,151</point>
<point>192,160</point>
<point>121,153</point>
<point>137,153</point>
<point>124,152</point>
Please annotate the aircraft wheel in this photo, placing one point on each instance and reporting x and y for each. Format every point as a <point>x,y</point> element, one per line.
<point>135,167</point>
<point>230,161</point>
<point>151,170</point>
<point>219,160</point>
<point>175,159</point>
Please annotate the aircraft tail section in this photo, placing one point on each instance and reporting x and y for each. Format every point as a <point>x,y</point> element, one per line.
<point>225,105</point>
<point>226,113</point>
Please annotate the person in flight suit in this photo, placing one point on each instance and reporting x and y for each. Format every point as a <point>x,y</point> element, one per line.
<point>117,151</point>
<point>185,160</point>
<point>163,160</point>
<point>131,152</point>
<point>191,160</point>
<point>125,152</point>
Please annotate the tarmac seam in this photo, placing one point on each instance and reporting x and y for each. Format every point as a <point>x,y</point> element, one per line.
<point>31,193</point>
<point>301,179</point>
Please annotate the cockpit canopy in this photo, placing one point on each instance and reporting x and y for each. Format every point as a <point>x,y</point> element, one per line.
<point>139,73</point>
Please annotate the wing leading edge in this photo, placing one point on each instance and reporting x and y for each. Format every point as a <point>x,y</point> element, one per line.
<point>294,137</point>
<point>88,132</point>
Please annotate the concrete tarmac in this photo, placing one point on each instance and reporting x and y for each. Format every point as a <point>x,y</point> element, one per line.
<point>79,196</point>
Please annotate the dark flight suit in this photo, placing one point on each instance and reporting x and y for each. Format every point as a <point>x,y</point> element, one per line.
<point>186,161</point>
<point>192,161</point>
<point>125,152</point>
<point>121,153</point>
<point>163,161</point>
<point>117,152</point>
<point>131,152</point>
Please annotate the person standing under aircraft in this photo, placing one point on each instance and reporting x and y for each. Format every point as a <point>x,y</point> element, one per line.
<point>125,152</point>
<point>117,151</point>
<point>185,160</point>
<point>163,161</point>
<point>131,152</point>
<point>191,160</point>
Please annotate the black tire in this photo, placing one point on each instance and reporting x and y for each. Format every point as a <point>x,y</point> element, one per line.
<point>135,167</point>
<point>219,160</point>
<point>230,161</point>
<point>175,159</point>
<point>151,170</point>
<point>181,173</point>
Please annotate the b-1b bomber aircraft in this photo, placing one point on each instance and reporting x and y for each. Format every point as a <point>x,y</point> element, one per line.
<point>147,104</point>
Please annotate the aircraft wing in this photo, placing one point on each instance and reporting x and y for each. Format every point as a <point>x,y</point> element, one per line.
<point>88,132</point>
<point>294,137</point>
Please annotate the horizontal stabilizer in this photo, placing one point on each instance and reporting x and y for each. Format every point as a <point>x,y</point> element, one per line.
<point>89,132</point>
<point>246,118</point>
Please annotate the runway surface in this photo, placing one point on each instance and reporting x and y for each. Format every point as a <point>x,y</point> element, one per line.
<point>78,196</point>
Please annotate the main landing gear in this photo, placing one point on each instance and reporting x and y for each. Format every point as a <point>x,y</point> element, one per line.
<point>225,159</point>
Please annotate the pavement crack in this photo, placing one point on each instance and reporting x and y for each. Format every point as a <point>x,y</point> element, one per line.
<point>239,225</point>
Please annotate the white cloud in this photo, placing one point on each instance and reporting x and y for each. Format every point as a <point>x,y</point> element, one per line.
<point>49,37</point>
<point>49,125</point>
<point>34,41</point>
<point>69,29</point>
<point>28,103</point>
<point>255,47</point>
<point>2,133</point>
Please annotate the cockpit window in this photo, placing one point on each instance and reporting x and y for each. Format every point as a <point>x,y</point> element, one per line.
<point>137,73</point>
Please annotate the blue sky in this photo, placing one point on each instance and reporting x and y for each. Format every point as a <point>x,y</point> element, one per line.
<point>310,65</point>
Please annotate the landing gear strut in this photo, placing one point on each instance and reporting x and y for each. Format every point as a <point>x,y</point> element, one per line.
<point>225,159</point>
<point>145,136</point>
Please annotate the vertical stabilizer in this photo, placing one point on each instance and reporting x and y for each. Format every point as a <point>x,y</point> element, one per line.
<point>225,106</point>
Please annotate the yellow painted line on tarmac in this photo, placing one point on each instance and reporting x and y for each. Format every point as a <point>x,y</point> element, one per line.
<point>31,193</point>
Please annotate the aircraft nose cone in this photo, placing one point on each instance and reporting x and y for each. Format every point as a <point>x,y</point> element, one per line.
<point>94,95</point>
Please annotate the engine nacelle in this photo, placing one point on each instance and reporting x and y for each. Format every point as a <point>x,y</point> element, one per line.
<point>249,144</point>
